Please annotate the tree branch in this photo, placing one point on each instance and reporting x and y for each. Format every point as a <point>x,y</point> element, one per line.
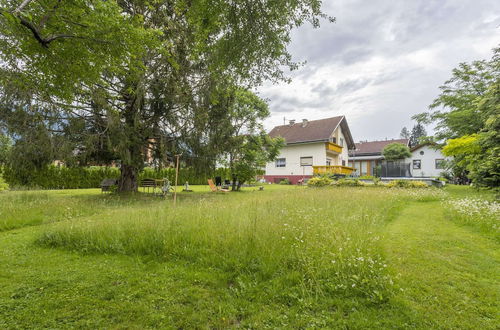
<point>21,6</point>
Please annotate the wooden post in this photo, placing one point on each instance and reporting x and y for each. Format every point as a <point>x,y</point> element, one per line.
<point>176,176</point>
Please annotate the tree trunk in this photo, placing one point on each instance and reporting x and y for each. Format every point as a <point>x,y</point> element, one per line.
<point>233,187</point>
<point>128,178</point>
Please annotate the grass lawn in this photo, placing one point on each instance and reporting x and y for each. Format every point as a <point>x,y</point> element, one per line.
<point>288,256</point>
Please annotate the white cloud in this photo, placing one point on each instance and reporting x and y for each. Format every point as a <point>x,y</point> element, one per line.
<point>382,62</point>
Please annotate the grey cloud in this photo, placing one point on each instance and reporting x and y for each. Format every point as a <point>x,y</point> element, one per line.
<point>383,60</point>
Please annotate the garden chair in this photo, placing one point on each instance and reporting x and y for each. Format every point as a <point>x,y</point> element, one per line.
<point>214,188</point>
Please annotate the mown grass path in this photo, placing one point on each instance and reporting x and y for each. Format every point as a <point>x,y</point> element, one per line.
<point>447,272</point>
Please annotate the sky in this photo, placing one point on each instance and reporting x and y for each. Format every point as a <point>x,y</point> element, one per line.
<point>381,62</point>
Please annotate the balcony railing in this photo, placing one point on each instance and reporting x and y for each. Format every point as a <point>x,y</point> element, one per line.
<point>333,147</point>
<point>333,169</point>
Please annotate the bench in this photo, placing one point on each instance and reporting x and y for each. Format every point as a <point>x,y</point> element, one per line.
<point>147,184</point>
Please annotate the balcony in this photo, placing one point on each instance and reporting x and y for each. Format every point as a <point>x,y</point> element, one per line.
<point>333,169</point>
<point>333,147</point>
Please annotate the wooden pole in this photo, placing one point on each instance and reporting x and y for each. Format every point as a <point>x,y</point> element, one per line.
<point>176,176</point>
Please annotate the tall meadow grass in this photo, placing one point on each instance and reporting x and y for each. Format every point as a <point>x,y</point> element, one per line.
<point>305,240</point>
<point>26,208</point>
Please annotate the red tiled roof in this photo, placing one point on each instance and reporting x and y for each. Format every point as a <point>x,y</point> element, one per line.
<point>314,130</point>
<point>376,146</point>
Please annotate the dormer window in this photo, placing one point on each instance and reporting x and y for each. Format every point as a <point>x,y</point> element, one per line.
<point>333,140</point>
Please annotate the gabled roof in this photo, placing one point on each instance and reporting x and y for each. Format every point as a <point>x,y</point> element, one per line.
<point>375,147</point>
<point>313,131</point>
<point>418,146</point>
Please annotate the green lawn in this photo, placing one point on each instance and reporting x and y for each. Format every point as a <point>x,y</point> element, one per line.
<point>284,257</point>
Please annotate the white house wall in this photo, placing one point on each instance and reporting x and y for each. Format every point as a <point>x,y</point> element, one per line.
<point>345,150</point>
<point>292,154</point>
<point>428,162</point>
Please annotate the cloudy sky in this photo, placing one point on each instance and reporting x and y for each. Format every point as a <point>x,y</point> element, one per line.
<point>382,61</point>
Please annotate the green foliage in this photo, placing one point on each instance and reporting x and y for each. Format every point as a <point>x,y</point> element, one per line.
<point>464,145</point>
<point>456,110</point>
<point>285,181</point>
<point>5,148</point>
<point>467,114</point>
<point>319,181</point>
<point>3,184</point>
<point>111,79</point>
<point>53,177</point>
<point>418,133</point>
<point>246,145</point>
<point>407,184</point>
<point>396,151</point>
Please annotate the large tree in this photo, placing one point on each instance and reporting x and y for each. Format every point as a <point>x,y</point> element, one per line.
<point>5,148</point>
<point>467,114</point>
<point>405,133</point>
<point>417,134</point>
<point>456,110</point>
<point>246,146</point>
<point>109,79</point>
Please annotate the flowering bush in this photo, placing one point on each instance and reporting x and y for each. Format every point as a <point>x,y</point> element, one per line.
<point>350,183</point>
<point>319,181</point>
<point>407,184</point>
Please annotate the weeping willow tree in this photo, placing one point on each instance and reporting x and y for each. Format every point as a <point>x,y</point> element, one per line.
<point>108,80</point>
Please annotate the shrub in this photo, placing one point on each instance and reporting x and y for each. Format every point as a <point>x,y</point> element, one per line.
<point>319,181</point>
<point>3,184</point>
<point>366,177</point>
<point>53,177</point>
<point>350,183</point>
<point>396,151</point>
<point>407,184</point>
<point>285,181</point>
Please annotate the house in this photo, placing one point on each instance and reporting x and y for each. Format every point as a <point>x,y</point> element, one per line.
<point>368,155</point>
<point>426,161</point>
<point>312,147</point>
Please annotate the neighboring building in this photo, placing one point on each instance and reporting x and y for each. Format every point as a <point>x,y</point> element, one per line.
<point>426,161</point>
<point>312,147</point>
<point>368,155</point>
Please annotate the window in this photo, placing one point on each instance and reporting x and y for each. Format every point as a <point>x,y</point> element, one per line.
<point>328,162</point>
<point>364,168</point>
<point>440,164</point>
<point>417,164</point>
<point>343,162</point>
<point>341,142</point>
<point>422,152</point>
<point>306,161</point>
<point>281,162</point>
<point>333,140</point>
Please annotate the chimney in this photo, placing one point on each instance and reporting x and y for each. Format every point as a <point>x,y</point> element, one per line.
<point>291,122</point>
<point>304,122</point>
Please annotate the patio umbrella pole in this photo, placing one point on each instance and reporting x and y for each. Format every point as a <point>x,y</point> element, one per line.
<point>176,176</point>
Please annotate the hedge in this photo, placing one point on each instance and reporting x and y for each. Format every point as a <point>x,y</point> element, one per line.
<point>54,177</point>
